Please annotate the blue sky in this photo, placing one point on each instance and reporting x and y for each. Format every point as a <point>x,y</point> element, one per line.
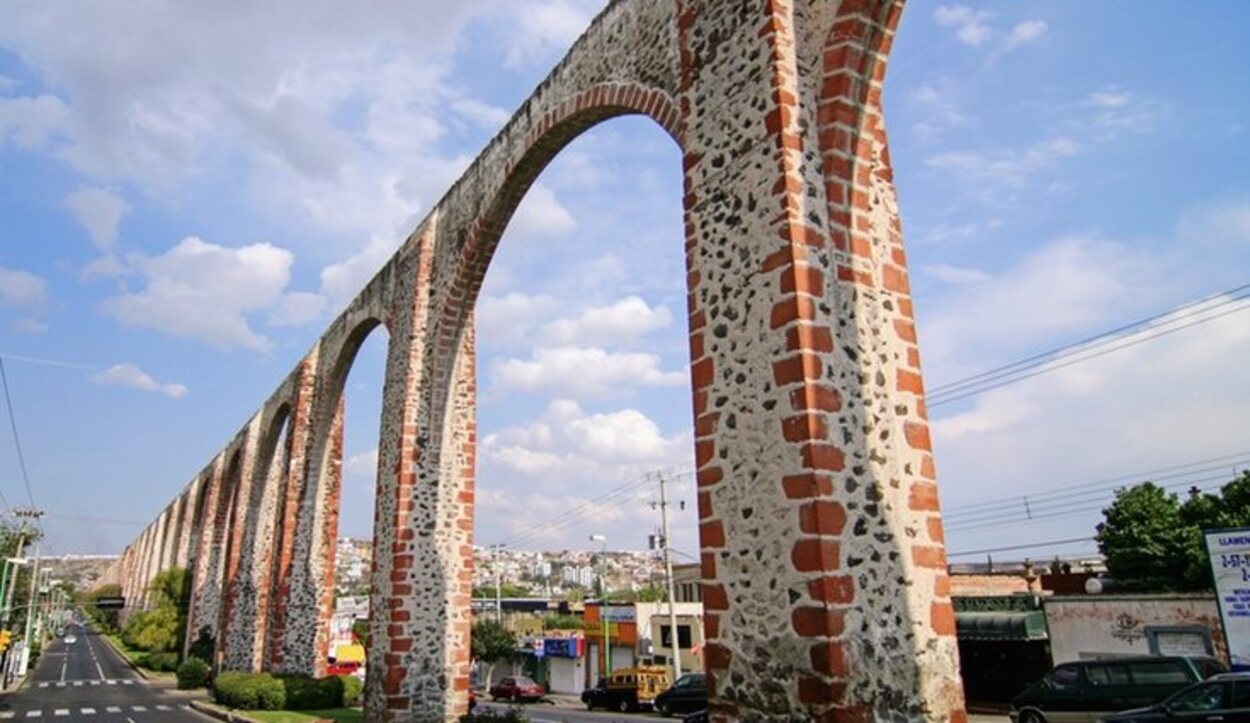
<point>190,194</point>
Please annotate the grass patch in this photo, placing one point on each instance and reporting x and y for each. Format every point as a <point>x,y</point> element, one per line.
<point>131,654</point>
<point>339,715</point>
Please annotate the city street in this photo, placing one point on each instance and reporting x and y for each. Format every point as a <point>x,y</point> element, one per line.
<point>546,713</point>
<point>88,679</point>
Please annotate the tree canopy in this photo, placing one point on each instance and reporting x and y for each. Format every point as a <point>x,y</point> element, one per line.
<point>1153,541</point>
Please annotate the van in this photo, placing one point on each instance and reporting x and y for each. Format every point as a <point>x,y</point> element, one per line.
<point>627,689</point>
<point>1086,690</point>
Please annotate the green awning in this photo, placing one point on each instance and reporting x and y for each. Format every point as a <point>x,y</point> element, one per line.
<point>1029,625</point>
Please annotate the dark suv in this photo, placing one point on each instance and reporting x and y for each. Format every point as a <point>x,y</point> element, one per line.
<point>1087,690</point>
<point>1223,698</point>
<point>689,693</point>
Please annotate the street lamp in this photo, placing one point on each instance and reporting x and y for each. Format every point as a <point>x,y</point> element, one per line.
<point>603,602</point>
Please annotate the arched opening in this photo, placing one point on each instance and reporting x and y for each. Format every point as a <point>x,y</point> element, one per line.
<point>583,407</point>
<point>338,497</point>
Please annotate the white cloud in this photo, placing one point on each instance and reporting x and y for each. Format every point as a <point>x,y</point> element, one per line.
<point>1159,403</point>
<point>203,291</point>
<point>1012,167</point>
<point>1025,33</point>
<point>129,375</point>
<point>342,281</point>
<point>297,309</point>
<point>970,25</point>
<point>567,458</point>
<point>583,372</point>
<point>511,319</point>
<point>1066,287</point>
<point>362,466</point>
<point>541,214</point>
<point>955,274</point>
<point>938,104</point>
<point>543,27</point>
<point>32,122</point>
<point>619,324</point>
<point>100,212</point>
<point>21,288</point>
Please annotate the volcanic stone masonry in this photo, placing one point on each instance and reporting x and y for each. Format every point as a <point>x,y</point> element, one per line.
<point>824,570</point>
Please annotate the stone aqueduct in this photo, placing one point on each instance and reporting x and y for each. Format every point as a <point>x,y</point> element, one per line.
<point>825,586</point>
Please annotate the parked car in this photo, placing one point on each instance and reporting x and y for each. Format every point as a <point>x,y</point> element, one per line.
<point>627,689</point>
<point>1087,690</point>
<point>688,694</point>
<point>517,688</point>
<point>1223,698</point>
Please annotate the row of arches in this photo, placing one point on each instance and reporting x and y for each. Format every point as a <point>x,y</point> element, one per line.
<point>821,543</point>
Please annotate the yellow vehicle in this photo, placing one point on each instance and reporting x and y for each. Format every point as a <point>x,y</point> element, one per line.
<point>628,689</point>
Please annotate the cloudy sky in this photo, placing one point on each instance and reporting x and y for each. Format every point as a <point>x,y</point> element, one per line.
<point>189,194</point>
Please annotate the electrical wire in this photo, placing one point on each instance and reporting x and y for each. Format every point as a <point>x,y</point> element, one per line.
<point>1202,484</point>
<point>1085,350</point>
<point>1232,458</point>
<point>17,440</point>
<point>1028,546</point>
<point>1040,502</point>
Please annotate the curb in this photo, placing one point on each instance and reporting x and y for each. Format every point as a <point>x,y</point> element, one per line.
<point>130,663</point>
<point>220,713</point>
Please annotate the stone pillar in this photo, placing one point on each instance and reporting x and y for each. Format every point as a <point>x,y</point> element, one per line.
<point>206,583</point>
<point>235,650</point>
<point>311,581</point>
<point>409,595</point>
<point>292,490</point>
<point>824,575</point>
<point>248,613</point>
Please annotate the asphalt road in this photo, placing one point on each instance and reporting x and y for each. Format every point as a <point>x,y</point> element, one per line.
<point>546,713</point>
<point>87,679</point>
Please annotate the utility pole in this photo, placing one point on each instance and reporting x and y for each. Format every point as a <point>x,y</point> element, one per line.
<point>5,587</point>
<point>494,558</point>
<point>668,573</point>
<point>603,603</point>
<point>34,588</point>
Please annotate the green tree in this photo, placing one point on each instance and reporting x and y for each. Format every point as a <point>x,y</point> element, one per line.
<point>1152,541</point>
<point>106,619</point>
<point>1143,539</point>
<point>491,642</point>
<point>507,589</point>
<point>162,628</point>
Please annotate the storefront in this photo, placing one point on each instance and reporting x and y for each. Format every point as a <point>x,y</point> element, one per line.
<point>1003,645</point>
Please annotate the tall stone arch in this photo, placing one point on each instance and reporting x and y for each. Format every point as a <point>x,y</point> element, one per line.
<point>822,555</point>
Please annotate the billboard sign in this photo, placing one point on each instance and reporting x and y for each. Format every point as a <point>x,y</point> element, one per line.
<point>1229,552</point>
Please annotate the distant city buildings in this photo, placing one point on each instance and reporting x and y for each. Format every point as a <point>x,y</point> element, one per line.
<point>556,573</point>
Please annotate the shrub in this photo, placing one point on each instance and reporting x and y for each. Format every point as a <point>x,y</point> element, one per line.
<point>193,673</point>
<point>162,662</point>
<point>204,646</point>
<point>250,691</point>
<point>511,715</point>
<point>307,693</point>
<point>352,688</point>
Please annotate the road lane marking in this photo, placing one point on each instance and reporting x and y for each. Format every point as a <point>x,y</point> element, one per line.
<point>34,714</point>
<point>139,708</point>
<point>60,712</point>
<point>117,708</point>
<point>88,711</point>
<point>163,707</point>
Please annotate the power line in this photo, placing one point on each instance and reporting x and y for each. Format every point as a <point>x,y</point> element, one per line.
<point>572,516</point>
<point>1029,546</point>
<point>17,440</point>
<point>1074,508</point>
<point>1139,332</point>
<point>1232,458</point>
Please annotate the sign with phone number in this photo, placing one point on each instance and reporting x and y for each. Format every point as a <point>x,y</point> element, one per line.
<point>1229,551</point>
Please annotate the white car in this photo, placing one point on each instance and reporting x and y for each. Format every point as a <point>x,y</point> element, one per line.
<point>71,639</point>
